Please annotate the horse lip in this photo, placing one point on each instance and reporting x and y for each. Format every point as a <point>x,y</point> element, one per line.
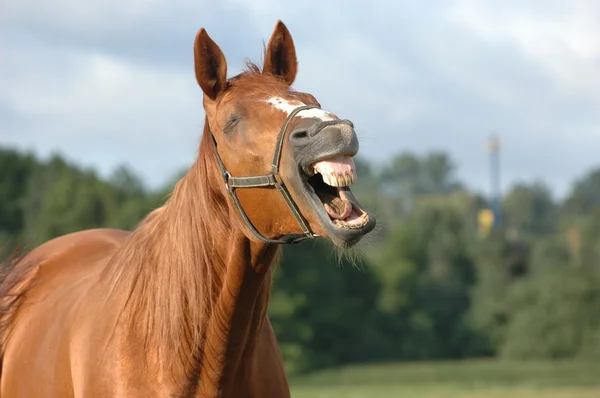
<point>340,236</point>
<point>306,166</point>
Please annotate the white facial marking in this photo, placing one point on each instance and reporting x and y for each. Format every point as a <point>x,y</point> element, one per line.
<point>288,106</point>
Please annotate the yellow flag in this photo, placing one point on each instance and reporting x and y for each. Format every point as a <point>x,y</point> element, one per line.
<point>485,220</point>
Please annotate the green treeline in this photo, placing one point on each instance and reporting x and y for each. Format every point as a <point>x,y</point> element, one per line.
<point>431,283</point>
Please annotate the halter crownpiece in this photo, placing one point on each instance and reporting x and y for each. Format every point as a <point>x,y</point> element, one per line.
<point>265,181</point>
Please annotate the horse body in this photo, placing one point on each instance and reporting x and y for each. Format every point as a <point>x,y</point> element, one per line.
<point>84,338</point>
<point>60,305</point>
<point>178,306</point>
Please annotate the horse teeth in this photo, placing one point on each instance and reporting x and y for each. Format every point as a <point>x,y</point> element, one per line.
<point>336,179</point>
<point>348,177</point>
<point>339,179</point>
<point>333,179</point>
<point>344,179</point>
<point>335,174</point>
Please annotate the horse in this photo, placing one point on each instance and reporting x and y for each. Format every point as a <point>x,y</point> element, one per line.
<point>177,307</point>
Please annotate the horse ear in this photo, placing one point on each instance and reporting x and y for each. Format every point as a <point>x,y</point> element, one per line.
<point>280,57</point>
<point>210,65</point>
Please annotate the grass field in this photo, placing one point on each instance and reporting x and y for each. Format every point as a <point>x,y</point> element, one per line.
<point>465,379</point>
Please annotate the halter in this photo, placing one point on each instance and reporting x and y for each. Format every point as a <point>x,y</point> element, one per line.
<point>265,181</point>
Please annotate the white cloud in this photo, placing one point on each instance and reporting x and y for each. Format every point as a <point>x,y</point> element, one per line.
<point>111,81</point>
<point>561,39</point>
<point>102,108</point>
<point>99,86</point>
<point>102,17</point>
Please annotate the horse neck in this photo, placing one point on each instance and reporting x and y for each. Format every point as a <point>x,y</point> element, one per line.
<point>237,319</point>
<point>197,286</point>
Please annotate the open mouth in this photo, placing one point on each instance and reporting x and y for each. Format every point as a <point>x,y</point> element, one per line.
<point>329,181</point>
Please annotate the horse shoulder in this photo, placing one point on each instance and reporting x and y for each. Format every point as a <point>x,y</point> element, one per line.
<point>50,282</point>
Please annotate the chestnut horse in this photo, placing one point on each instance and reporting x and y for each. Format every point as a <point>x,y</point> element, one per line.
<point>178,306</point>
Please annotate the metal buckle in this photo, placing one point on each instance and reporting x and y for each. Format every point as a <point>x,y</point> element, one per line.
<point>226,177</point>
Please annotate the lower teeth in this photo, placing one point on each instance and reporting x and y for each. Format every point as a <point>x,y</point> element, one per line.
<point>346,225</point>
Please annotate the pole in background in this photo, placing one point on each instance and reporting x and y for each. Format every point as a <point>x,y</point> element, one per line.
<point>494,152</point>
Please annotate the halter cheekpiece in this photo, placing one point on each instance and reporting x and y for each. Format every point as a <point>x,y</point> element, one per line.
<point>265,181</point>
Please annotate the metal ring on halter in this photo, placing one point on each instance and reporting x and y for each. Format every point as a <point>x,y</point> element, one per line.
<point>227,177</point>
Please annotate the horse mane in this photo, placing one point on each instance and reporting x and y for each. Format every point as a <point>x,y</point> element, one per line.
<point>254,80</point>
<point>251,68</point>
<point>16,279</point>
<point>169,266</point>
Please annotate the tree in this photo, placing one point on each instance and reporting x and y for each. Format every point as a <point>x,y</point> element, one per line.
<point>585,195</point>
<point>500,263</point>
<point>407,177</point>
<point>322,309</point>
<point>556,314</point>
<point>426,273</point>
<point>62,199</point>
<point>15,169</point>
<point>530,209</point>
<point>132,199</point>
<point>126,184</point>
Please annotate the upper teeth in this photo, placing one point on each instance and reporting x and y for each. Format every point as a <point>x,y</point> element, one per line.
<point>338,172</point>
<point>339,180</point>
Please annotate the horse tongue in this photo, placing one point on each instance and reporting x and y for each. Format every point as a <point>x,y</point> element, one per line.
<point>338,208</point>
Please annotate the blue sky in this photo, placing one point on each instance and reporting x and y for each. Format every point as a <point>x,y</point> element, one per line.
<point>110,82</point>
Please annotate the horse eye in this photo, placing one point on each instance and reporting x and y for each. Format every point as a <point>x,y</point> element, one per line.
<point>231,123</point>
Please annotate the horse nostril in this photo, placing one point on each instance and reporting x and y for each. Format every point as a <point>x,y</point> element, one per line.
<point>299,135</point>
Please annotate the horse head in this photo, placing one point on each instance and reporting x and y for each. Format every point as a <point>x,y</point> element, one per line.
<point>284,164</point>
